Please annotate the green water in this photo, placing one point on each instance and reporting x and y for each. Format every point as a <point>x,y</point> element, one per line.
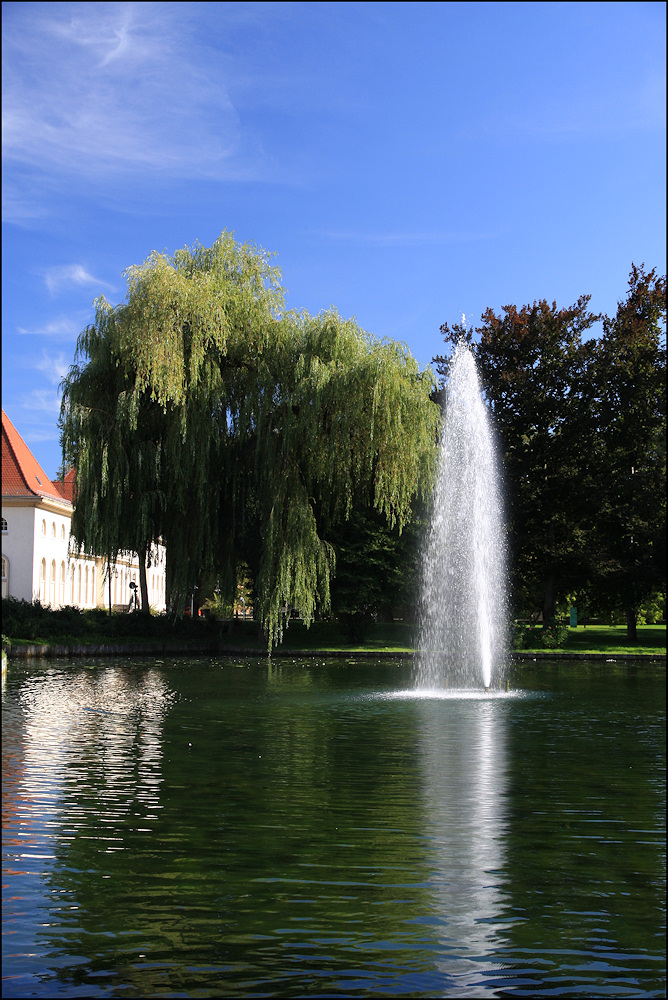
<point>216,828</point>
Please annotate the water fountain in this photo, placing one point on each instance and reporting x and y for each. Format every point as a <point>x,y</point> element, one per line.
<point>461,640</point>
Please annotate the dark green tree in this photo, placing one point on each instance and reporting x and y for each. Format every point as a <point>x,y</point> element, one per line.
<point>630,449</point>
<point>377,570</point>
<point>534,365</point>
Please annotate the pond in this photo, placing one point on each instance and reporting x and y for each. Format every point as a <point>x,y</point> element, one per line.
<point>212,828</point>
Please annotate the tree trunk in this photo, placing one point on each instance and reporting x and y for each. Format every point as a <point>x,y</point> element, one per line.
<point>550,575</point>
<point>143,584</point>
<point>548,602</point>
<point>631,626</point>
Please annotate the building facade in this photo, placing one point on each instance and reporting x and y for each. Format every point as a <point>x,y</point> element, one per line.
<point>38,558</point>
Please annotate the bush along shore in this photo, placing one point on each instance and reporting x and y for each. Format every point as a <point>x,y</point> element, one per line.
<point>31,630</point>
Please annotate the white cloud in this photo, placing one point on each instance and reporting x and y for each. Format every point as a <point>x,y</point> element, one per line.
<point>67,275</point>
<point>64,326</point>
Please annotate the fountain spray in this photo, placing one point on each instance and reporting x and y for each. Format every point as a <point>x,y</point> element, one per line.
<point>463,613</point>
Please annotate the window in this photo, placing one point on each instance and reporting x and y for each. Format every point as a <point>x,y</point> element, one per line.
<point>62,532</point>
<point>62,582</point>
<point>42,576</point>
<point>5,576</point>
<point>43,527</point>
<point>52,584</point>
<point>53,529</point>
<point>4,526</point>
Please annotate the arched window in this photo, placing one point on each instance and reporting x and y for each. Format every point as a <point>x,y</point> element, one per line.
<point>52,584</point>
<point>5,576</point>
<point>53,529</point>
<point>62,582</point>
<point>93,595</point>
<point>43,527</point>
<point>62,532</point>
<point>72,594</point>
<point>42,577</point>
<point>86,591</point>
<point>79,590</point>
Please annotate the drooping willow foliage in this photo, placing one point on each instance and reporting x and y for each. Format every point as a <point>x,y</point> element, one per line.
<point>199,411</point>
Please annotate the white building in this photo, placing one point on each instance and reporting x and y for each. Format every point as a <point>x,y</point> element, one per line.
<point>37,558</point>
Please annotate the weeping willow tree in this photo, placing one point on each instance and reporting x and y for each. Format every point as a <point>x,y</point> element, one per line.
<point>200,411</point>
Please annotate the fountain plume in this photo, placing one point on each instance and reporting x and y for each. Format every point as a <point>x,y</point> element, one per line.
<point>461,637</point>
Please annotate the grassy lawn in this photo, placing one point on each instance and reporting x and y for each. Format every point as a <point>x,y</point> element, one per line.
<point>609,639</point>
<point>390,637</point>
<point>398,637</point>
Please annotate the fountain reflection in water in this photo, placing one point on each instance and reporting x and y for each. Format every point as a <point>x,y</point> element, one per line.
<point>464,769</point>
<point>462,641</point>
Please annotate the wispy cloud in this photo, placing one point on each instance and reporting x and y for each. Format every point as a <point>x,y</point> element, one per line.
<point>111,87</point>
<point>55,367</point>
<point>63,326</point>
<point>42,401</point>
<point>71,275</point>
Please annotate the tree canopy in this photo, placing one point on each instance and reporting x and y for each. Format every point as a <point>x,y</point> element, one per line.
<point>200,411</point>
<point>533,365</point>
<point>582,426</point>
<point>630,447</point>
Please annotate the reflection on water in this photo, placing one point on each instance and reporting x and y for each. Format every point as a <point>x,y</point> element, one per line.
<point>233,829</point>
<point>101,723</point>
<point>82,759</point>
<point>464,777</point>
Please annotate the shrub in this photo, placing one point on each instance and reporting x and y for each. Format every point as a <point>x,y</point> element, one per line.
<point>553,635</point>
<point>652,609</point>
<point>219,608</point>
<point>520,635</point>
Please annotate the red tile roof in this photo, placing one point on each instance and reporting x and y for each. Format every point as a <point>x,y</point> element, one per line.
<point>22,475</point>
<point>66,486</point>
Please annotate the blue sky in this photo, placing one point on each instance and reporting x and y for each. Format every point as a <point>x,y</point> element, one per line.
<point>407,162</point>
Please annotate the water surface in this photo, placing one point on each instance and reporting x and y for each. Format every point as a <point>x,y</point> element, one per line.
<point>229,828</point>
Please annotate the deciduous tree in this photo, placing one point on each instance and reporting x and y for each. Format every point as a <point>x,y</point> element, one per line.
<point>534,367</point>
<point>630,447</point>
<point>200,411</point>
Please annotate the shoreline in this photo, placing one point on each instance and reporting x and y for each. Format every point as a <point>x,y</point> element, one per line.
<point>199,648</point>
